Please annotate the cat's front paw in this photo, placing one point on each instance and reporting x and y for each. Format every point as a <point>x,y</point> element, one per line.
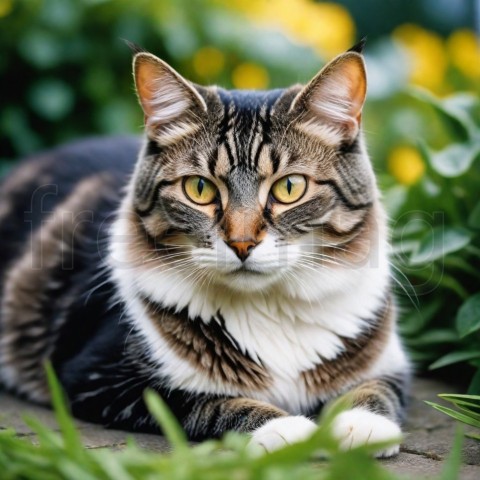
<point>358,426</point>
<point>282,431</point>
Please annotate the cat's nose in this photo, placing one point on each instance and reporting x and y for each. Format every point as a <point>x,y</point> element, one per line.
<point>242,248</point>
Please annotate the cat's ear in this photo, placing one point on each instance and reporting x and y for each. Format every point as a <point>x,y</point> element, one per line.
<point>171,105</point>
<point>330,106</point>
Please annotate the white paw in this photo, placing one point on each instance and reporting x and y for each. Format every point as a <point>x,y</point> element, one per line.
<point>282,431</point>
<point>358,426</point>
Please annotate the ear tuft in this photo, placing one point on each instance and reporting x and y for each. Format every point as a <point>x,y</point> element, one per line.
<point>359,47</point>
<point>170,103</point>
<point>133,46</point>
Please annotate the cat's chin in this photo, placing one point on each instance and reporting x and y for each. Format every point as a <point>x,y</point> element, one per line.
<point>244,280</point>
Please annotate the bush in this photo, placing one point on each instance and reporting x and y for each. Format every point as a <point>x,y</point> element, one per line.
<point>437,242</point>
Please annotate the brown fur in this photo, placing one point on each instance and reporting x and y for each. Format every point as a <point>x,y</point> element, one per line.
<point>332,376</point>
<point>240,414</point>
<point>27,338</point>
<point>377,396</point>
<point>211,352</point>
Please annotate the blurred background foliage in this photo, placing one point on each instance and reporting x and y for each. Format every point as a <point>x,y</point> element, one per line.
<point>65,73</point>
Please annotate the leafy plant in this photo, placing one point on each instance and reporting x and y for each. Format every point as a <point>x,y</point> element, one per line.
<point>437,243</point>
<point>67,67</point>
<point>467,410</point>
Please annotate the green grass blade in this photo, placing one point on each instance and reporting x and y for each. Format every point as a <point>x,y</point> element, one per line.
<point>334,408</point>
<point>464,403</point>
<point>451,468</point>
<point>44,434</point>
<point>460,396</point>
<point>357,465</point>
<point>112,467</point>
<point>456,415</point>
<point>458,400</point>
<point>71,469</point>
<point>292,454</point>
<point>470,413</point>
<point>73,442</point>
<point>168,423</point>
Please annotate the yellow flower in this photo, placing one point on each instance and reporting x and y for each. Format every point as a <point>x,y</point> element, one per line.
<point>406,165</point>
<point>208,62</point>
<point>464,49</point>
<point>250,76</point>
<point>428,60</point>
<point>6,7</point>
<point>326,26</point>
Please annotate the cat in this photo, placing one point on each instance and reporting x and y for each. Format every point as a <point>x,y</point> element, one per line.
<point>235,261</point>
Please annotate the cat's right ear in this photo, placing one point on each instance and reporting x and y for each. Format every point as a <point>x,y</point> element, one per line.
<point>170,103</point>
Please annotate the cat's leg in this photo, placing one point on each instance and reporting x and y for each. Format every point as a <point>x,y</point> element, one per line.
<point>270,427</point>
<point>375,416</point>
<point>112,394</point>
<point>201,416</point>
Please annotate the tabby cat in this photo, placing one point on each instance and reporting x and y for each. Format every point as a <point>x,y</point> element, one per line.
<point>238,265</point>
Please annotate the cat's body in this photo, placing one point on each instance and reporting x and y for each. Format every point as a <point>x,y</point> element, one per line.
<point>197,278</point>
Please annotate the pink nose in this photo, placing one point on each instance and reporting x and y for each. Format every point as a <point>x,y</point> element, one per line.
<point>242,248</point>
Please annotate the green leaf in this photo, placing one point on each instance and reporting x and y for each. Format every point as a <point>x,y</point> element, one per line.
<point>454,160</point>
<point>439,242</point>
<point>474,387</point>
<point>454,357</point>
<point>433,337</point>
<point>467,411</point>
<point>457,120</point>
<point>468,316</point>
<point>451,468</point>
<point>44,434</point>
<point>461,399</point>
<point>474,218</point>
<point>113,468</point>
<point>461,417</point>
<point>70,434</point>
<point>415,320</point>
<point>165,418</point>
<point>461,103</point>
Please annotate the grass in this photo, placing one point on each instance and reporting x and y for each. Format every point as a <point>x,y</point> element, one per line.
<point>61,455</point>
<point>467,410</point>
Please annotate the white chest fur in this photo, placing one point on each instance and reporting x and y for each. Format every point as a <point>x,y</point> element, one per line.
<point>286,328</point>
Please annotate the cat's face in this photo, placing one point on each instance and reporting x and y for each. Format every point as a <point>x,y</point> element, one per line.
<point>247,188</point>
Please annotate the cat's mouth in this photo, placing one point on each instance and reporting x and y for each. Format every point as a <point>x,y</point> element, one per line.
<point>248,279</point>
<point>249,270</point>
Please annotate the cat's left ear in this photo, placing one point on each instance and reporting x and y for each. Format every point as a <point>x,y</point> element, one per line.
<point>330,106</point>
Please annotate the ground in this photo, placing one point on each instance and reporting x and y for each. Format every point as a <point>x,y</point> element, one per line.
<point>428,439</point>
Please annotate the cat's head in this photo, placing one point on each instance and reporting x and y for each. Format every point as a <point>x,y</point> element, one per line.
<point>244,188</point>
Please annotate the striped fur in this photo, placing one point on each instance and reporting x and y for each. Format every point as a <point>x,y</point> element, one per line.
<point>123,282</point>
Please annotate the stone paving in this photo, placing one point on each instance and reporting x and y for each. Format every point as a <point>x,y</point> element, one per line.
<point>428,440</point>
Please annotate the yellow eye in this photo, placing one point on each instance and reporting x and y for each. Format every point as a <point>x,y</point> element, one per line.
<point>289,189</point>
<point>199,190</point>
